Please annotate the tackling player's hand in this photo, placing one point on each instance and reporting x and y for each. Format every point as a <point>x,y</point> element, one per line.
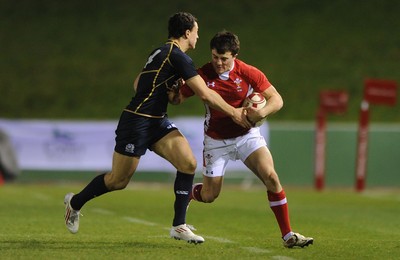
<point>240,118</point>
<point>176,86</point>
<point>173,92</point>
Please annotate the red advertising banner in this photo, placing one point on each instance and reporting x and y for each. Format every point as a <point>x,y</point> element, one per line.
<point>380,92</point>
<point>334,101</point>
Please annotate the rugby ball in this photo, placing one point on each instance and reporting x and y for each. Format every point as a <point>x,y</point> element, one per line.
<point>257,101</point>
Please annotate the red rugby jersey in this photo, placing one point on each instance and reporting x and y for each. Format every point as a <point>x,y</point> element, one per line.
<point>233,86</point>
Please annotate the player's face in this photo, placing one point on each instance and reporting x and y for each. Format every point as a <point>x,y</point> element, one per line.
<point>222,62</point>
<point>193,35</point>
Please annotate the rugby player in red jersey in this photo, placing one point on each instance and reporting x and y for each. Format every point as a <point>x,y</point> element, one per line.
<point>224,140</point>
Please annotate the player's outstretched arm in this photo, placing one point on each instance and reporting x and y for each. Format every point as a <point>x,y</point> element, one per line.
<point>214,100</point>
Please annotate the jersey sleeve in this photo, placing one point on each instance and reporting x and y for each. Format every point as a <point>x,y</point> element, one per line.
<point>186,91</point>
<point>183,64</point>
<point>257,79</point>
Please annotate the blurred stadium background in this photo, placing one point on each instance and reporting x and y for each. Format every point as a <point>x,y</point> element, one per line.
<point>76,60</point>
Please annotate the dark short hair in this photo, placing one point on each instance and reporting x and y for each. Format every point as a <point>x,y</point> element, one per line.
<point>179,23</point>
<point>225,41</point>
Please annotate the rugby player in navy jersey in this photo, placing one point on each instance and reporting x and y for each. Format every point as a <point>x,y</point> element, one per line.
<point>224,140</point>
<point>144,124</point>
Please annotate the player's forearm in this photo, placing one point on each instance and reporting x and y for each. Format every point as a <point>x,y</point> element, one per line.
<point>209,96</point>
<point>274,104</point>
<point>215,101</point>
<point>274,101</point>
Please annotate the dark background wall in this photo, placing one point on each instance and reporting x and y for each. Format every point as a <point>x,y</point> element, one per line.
<point>78,59</point>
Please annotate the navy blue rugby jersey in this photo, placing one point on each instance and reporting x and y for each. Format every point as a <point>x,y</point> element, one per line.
<point>164,66</point>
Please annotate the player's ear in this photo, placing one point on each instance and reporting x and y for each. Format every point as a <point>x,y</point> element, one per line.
<point>187,33</point>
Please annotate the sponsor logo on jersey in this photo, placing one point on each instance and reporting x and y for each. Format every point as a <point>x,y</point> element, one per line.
<point>130,148</point>
<point>237,81</point>
<point>212,84</point>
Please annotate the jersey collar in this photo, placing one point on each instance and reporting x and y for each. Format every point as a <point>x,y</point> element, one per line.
<point>225,75</point>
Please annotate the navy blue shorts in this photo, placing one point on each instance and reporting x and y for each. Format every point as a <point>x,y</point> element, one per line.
<point>136,134</point>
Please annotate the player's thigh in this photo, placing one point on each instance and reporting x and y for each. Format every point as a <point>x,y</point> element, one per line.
<point>260,162</point>
<point>175,148</point>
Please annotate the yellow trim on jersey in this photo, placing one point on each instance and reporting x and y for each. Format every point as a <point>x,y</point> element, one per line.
<point>145,115</point>
<point>155,78</point>
<point>149,71</point>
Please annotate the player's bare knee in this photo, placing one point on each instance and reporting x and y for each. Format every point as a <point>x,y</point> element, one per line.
<point>117,184</point>
<point>208,198</point>
<point>122,185</point>
<point>271,181</point>
<point>189,166</point>
<point>192,165</point>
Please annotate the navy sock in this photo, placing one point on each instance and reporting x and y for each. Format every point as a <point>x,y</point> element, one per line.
<point>182,186</point>
<point>94,189</point>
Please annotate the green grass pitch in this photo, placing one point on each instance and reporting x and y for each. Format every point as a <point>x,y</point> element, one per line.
<point>134,224</point>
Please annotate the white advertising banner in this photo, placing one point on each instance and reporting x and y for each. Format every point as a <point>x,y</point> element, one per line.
<point>89,145</point>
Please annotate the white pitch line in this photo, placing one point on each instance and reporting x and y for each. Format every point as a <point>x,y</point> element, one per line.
<point>103,211</point>
<point>140,221</point>
<point>219,239</point>
<point>381,195</point>
<point>281,257</point>
<point>216,239</point>
<point>41,196</point>
<point>257,250</point>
